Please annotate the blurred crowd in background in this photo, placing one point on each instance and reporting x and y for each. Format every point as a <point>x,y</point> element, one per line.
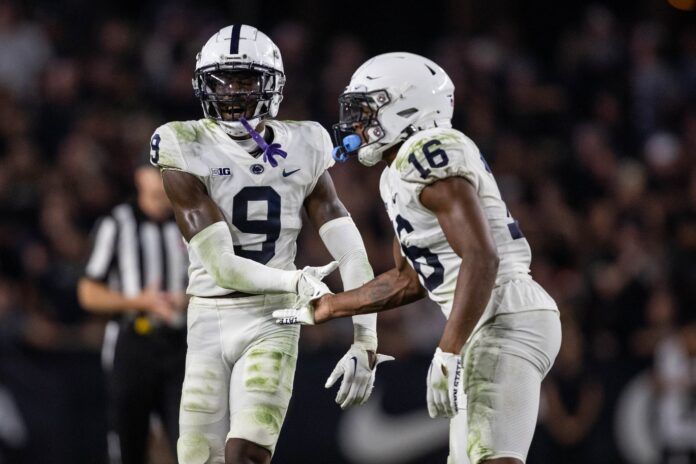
<point>588,121</point>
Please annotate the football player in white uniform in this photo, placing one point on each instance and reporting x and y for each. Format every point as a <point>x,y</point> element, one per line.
<point>238,181</point>
<point>456,237</point>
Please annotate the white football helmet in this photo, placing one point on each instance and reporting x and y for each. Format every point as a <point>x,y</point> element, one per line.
<point>239,72</point>
<point>391,96</point>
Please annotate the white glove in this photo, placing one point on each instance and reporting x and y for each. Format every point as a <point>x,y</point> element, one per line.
<point>319,272</point>
<point>358,378</point>
<point>309,288</point>
<point>443,384</point>
<point>303,315</point>
<point>310,285</point>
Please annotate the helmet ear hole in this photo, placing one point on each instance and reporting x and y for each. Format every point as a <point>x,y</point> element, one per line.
<point>407,112</point>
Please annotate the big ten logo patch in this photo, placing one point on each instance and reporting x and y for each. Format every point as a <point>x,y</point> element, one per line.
<point>220,172</point>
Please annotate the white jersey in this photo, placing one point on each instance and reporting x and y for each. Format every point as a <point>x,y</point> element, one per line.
<point>262,205</point>
<point>435,154</point>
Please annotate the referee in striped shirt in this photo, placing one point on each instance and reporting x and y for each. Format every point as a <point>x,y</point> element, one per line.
<point>136,272</point>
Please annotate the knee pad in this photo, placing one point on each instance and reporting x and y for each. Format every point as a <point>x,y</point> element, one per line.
<point>193,448</point>
<point>259,424</point>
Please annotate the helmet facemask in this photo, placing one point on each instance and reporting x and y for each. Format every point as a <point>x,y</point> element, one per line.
<point>359,115</point>
<point>230,91</point>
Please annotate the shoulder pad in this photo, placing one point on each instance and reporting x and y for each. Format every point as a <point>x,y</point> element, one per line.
<point>168,145</point>
<point>165,150</point>
<point>438,153</point>
<point>317,141</point>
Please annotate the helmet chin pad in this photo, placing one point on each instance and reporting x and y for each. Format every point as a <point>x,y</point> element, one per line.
<point>370,155</point>
<point>236,129</point>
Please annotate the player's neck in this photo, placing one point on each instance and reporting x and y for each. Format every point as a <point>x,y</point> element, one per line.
<point>249,145</point>
<point>391,153</point>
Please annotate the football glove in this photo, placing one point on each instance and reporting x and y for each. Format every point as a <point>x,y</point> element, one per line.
<point>303,315</point>
<point>319,272</point>
<point>309,288</point>
<point>444,376</point>
<point>310,285</point>
<point>358,378</point>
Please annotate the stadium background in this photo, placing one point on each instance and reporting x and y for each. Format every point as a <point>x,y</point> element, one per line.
<point>586,112</point>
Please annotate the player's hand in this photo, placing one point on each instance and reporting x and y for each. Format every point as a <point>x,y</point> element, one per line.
<point>316,312</point>
<point>309,289</point>
<point>358,376</point>
<point>444,376</point>
<point>322,309</point>
<point>310,285</point>
<point>319,272</point>
<point>303,315</point>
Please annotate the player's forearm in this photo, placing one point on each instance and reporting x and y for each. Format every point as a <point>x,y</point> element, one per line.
<point>98,298</point>
<point>216,251</point>
<point>342,238</point>
<point>388,290</point>
<point>245,275</point>
<point>474,286</point>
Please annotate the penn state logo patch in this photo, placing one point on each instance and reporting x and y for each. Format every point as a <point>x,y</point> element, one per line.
<point>256,169</point>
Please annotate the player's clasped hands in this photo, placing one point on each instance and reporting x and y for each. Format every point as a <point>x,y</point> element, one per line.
<point>310,285</point>
<point>444,376</point>
<point>309,288</point>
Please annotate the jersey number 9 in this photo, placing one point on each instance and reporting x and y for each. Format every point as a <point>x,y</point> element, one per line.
<point>269,226</point>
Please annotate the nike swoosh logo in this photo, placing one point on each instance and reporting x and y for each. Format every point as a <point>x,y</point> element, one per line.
<point>355,364</point>
<point>289,173</point>
<point>367,434</point>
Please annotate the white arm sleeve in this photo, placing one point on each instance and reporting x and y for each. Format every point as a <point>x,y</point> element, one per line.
<point>345,244</point>
<point>214,247</point>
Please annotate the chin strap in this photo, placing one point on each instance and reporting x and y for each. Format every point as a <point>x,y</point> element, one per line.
<point>269,151</point>
<point>405,134</point>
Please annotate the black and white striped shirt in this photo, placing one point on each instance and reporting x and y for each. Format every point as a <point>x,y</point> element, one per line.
<point>131,252</point>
